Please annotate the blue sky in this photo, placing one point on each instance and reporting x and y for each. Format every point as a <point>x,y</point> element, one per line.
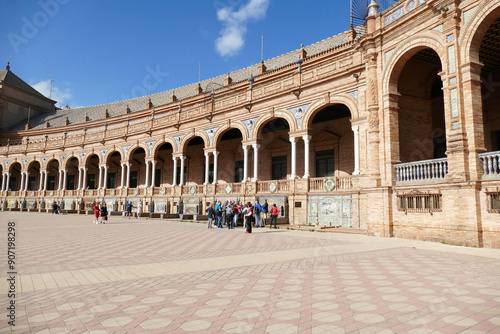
<point>100,50</point>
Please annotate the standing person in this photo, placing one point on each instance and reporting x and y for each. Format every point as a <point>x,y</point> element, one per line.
<point>54,207</point>
<point>218,215</point>
<point>104,213</point>
<point>139,210</point>
<point>257,209</point>
<point>96,214</point>
<point>274,215</point>
<point>129,209</point>
<point>265,210</point>
<point>248,213</point>
<point>229,215</point>
<point>236,211</point>
<point>211,214</point>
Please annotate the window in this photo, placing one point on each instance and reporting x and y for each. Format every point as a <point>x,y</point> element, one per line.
<point>111,181</point>
<point>70,182</point>
<point>493,202</point>
<point>325,163</point>
<point>51,182</point>
<point>133,179</point>
<point>419,202</point>
<point>279,168</point>
<point>238,171</point>
<point>91,184</point>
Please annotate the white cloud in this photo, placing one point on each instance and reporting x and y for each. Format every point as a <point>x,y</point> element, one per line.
<point>232,38</point>
<point>62,96</point>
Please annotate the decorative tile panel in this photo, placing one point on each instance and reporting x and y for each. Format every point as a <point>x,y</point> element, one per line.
<point>298,114</point>
<point>125,149</point>
<point>451,59</point>
<point>354,94</point>
<point>450,38</point>
<point>249,123</point>
<point>388,55</point>
<point>44,160</point>
<point>150,145</point>
<point>178,140</point>
<point>455,125</point>
<point>394,15</point>
<point>25,162</point>
<point>469,14</point>
<point>103,153</point>
<point>439,28</point>
<point>210,133</point>
<point>454,102</point>
<point>453,81</point>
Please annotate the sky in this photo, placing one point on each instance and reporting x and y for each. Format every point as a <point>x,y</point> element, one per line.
<point>106,51</point>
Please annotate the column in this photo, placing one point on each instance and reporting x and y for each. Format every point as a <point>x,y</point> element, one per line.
<point>293,141</point>
<point>100,178</point>
<point>122,184</point>
<point>40,179</point>
<point>65,172</point>
<point>26,179</point>
<point>306,155</point>
<point>153,172</point>
<point>146,183</point>
<point>79,178</point>
<point>3,182</point>
<point>105,182</point>
<point>59,180</point>
<point>355,129</point>
<point>174,182</point>
<point>21,186</point>
<point>182,169</point>
<point>216,154</point>
<point>45,180</point>
<point>7,182</point>
<point>255,161</point>
<point>245,163</point>
<point>207,167</point>
<point>84,182</point>
<point>128,174</point>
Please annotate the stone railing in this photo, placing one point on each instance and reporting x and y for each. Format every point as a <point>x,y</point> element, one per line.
<point>491,163</point>
<point>317,184</point>
<point>425,170</point>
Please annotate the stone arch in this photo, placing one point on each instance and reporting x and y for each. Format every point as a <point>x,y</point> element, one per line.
<point>234,125</point>
<point>91,154</point>
<point>347,100</point>
<point>473,32</point>
<point>403,52</point>
<point>160,142</point>
<point>191,135</point>
<point>136,146</point>
<point>52,158</point>
<point>71,156</point>
<point>12,163</point>
<point>113,150</point>
<point>32,161</point>
<point>261,121</point>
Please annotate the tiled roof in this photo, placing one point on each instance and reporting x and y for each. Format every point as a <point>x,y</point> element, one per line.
<point>10,78</point>
<point>77,115</point>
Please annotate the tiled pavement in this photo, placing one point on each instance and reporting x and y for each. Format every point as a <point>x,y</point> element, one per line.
<point>149,276</point>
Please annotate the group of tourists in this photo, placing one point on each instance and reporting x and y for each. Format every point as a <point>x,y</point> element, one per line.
<point>232,213</point>
<point>102,212</point>
<point>129,206</point>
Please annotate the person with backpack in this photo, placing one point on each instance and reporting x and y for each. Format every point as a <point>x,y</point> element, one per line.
<point>257,209</point>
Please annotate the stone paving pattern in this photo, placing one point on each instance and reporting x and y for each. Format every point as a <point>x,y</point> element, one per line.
<point>148,276</point>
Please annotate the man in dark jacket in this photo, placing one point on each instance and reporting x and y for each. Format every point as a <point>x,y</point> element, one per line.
<point>211,215</point>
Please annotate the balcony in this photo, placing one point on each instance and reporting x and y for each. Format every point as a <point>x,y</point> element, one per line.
<point>491,164</point>
<point>422,171</point>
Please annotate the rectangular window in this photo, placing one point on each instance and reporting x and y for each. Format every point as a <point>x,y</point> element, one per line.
<point>51,182</point>
<point>133,179</point>
<point>238,171</point>
<point>325,163</point>
<point>494,202</point>
<point>279,168</point>
<point>111,181</point>
<point>91,182</point>
<point>70,182</point>
<point>419,202</point>
<point>32,183</point>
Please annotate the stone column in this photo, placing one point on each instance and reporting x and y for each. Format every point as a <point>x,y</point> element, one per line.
<point>245,163</point>
<point>355,129</point>
<point>79,178</point>
<point>84,182</point>
<point>216,153</point>
<point>255,161</point>
<point>100,178</point>
<point>59,180</point>
<point>122,184</point>
<point>45,180</point>
<point>65,172</point>
<point>40,181</point>
<point>128,175</point>
<point>3,182</point>
<point>21,186</point>
<point>306,156</point>
<point>7,182</point>
<point>105,183</point>
<point>146,183</point>
<point>207,167</point>
<point>26,179</point>
<point>182,170</point>
<point>153,172</point>
<point>174,182</point>
<point>293,141</point>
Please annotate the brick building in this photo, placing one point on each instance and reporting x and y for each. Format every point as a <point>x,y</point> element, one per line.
<point>392,127</point>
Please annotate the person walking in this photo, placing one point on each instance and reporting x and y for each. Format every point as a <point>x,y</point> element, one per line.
<point>129,209</point>
<point>96,213</point>
<point>274,215</point>
<point>257,209</point>
<point>211,214</point>
<point>265,210</point>
<point>139,210</point>
<point>236,212</point>
<point>104,213</point>
<point>248,213</point>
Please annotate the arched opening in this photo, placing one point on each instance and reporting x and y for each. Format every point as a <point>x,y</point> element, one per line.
<point>230,163</point>
<point>15,177</point>
<point>422,131</point>
<point>53,175</point>
<point>194,172</point>
<point>137,168</point>
<point>34,176</point>
<point>114,170</point>
<point>274,152</point>
<point>489,55</point>
<point>164,165</point>
<point>72,174</point>
<point>332,142</point>
<point>92,172</point>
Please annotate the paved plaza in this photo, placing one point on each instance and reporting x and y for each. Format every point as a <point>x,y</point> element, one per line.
<point>152,276</point>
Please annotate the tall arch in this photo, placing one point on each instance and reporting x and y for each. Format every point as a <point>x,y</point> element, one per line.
<point>344,99</point>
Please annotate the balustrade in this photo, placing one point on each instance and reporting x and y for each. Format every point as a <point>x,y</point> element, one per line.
<point>491,163</point>
<point>425,170</point>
